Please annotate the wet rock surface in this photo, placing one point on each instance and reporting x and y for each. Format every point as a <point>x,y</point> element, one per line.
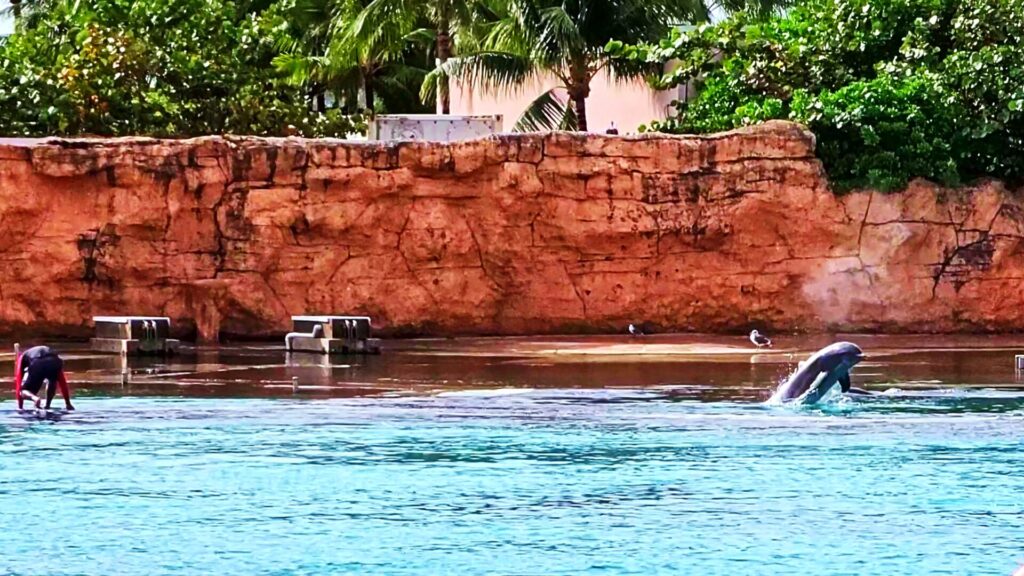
<point>507,235</point>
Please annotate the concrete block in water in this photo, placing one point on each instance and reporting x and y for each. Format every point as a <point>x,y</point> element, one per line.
<point>133,335</point>
<point>332,335</point>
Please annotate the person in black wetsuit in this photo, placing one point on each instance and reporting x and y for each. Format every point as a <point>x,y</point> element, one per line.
<point>32,369</point>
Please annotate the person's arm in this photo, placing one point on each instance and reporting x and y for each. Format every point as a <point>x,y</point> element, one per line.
<point>25,394</point>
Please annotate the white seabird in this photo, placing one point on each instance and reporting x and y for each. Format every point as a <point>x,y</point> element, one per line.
<point>634,331</point>
<point>760,340</point>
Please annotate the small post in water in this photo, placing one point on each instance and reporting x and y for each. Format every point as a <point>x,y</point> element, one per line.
<point>295,384</point>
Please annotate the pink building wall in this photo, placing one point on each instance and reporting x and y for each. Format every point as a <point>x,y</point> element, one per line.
<point>628,104</point>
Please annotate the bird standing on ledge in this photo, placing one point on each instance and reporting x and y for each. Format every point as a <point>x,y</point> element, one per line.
<point>760,340</point>
<point>634,331</point>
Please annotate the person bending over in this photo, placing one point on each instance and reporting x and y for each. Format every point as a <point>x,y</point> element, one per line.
<point>32,369</point>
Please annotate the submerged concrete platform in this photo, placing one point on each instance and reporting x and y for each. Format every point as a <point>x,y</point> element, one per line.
<point>134,336</point>
<point>331,335</point>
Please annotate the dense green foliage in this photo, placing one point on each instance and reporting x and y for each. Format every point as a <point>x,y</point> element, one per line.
<point>446,23</point>
<point>312,67</point>
<point>159,67</point>
<point>358,51</point>
<point>894,89</point>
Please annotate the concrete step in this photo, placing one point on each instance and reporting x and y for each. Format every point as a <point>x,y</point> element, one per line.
<point>165,347</point>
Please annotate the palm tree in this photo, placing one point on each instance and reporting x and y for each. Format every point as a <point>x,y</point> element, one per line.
<point>566,39</point>
<point>758,8</point>
<point>331,54</point>
<point>302,55</point>
<point>19,8</point>
<point>379,58</point>
<point>448,20</point>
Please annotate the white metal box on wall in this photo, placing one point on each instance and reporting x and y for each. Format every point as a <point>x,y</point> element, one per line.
<point>433,127</point>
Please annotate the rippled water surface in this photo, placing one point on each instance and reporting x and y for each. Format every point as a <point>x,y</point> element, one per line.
<point>526,470</point>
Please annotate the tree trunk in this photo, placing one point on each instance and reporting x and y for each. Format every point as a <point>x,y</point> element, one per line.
<point>368,91</point>
<point>321,100</point>
<point>16,7</point>
<point>579,103</point>
<point>314,97</point>
<point>579,90</point>
<point>444,52</point>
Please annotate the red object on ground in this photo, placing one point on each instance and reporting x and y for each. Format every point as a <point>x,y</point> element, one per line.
<point>17,381</point>
<point>64,391</point>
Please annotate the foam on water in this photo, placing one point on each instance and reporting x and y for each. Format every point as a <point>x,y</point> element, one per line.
<point>486,393</point>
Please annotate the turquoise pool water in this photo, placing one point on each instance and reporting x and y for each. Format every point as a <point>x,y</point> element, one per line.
<point>532,482</point>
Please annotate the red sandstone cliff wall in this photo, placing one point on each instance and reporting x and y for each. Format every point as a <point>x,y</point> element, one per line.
<point>515,234</point>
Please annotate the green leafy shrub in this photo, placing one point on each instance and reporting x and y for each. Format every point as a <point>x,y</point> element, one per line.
<point>883,132</point>
<point>154,67</point>
<point>893,89</point>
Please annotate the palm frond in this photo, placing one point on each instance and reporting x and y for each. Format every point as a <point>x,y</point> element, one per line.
<point>459,14</point>
<point>498,71</point>
<point>353,43</point>
<point>550,111</point>
<point>285,44</point>
<point>421,37</point>
<point>760,9</point>
<point>27,8</point>
<point>559,35</point>
<point>385,22</point>
<point>507,35</point>
<point>403,74</point>
<point>297,69</point>
<point>433,79</point>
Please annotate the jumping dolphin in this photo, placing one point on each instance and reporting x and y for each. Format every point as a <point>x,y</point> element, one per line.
<point>820,373</point>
